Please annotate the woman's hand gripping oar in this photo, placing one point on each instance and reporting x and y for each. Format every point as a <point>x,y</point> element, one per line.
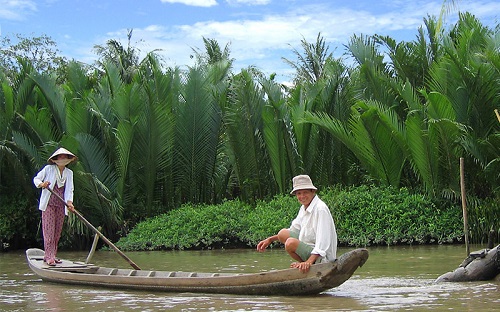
<point>107,241</point>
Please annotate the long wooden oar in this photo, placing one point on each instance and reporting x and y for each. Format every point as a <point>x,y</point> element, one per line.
<point>107,241</point>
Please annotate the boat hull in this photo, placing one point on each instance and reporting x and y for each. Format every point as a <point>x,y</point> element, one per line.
<point>277,282</point>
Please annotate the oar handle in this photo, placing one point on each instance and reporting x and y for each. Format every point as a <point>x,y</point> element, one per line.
<point>107,241</point>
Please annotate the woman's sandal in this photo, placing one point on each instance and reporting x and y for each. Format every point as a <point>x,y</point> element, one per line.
<point>58,260</point>
<point>51,263</point>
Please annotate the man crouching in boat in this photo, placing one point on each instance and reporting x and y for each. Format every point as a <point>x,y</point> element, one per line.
<point>312,237</point>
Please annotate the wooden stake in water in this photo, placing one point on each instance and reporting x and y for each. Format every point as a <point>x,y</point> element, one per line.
<point>94,246</point>
<point>464,205</point>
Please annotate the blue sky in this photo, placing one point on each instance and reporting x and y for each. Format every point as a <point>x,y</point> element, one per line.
<point>260,32</point>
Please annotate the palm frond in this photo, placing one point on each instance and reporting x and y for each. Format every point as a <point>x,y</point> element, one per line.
<point>274,117</point>
<point>197,131</point>
<point>424,157</point>
<point>54,98</point>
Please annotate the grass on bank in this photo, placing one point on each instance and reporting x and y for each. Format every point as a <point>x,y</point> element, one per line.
<point>363,216</point>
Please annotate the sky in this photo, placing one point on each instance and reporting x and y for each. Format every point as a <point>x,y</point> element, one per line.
<point>259,33</point>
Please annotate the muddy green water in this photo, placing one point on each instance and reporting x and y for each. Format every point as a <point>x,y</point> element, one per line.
<point>393,279</point>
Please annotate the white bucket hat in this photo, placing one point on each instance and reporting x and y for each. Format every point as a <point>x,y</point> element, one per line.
<point>60,151</point>
<point>302,182</point>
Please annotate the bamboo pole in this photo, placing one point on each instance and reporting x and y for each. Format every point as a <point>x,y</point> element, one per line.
<point>464,205</point>
<point>491,237</point>
<point>94,246</point>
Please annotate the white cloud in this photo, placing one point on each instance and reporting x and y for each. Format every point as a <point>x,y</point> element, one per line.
<point>248,2</point>
<point>16,9</point>
<point>253,38</point>
<point>264,40</point>
<point>488,11</point>
<point>200,3</point>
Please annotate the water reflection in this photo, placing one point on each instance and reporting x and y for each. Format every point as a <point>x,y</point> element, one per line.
<point>396,278</point>
<point>48,297</point>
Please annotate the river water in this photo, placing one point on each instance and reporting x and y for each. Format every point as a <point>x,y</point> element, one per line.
<point>393,279</point>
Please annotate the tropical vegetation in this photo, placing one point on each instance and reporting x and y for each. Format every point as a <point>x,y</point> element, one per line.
<point>363,216</point>
<point>152,138</point>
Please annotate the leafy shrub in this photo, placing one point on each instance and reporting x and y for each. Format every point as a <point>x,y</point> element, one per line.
<point>189,227</point>
<point>268,217</point>
<point>387,216</point>
<point>484,218</point>
<point>18,222</point>
<point>363,216</point>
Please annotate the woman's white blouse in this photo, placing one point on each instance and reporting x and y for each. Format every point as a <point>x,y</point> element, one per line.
<point>48,173</point>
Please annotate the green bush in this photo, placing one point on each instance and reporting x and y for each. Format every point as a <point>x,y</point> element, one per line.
<point>189,227</point>
<point>482,219</point>
<point>18,223</point>
<point>268,217</point>
<point>388,216</point>
<point>363,216</point>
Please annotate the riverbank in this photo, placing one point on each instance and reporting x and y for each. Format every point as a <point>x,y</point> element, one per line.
<point>364,216</point>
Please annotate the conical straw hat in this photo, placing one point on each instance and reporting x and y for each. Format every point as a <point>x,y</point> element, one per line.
<point>60,151</point>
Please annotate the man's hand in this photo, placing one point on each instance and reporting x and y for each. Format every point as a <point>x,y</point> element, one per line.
<point>302,266</point>
<point>262,245</point>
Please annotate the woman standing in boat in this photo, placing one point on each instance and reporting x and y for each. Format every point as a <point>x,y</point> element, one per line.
<point>60,180</point>
<point>312,236</point>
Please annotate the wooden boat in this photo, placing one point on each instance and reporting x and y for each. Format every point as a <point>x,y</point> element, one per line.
<point>320,277</point>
